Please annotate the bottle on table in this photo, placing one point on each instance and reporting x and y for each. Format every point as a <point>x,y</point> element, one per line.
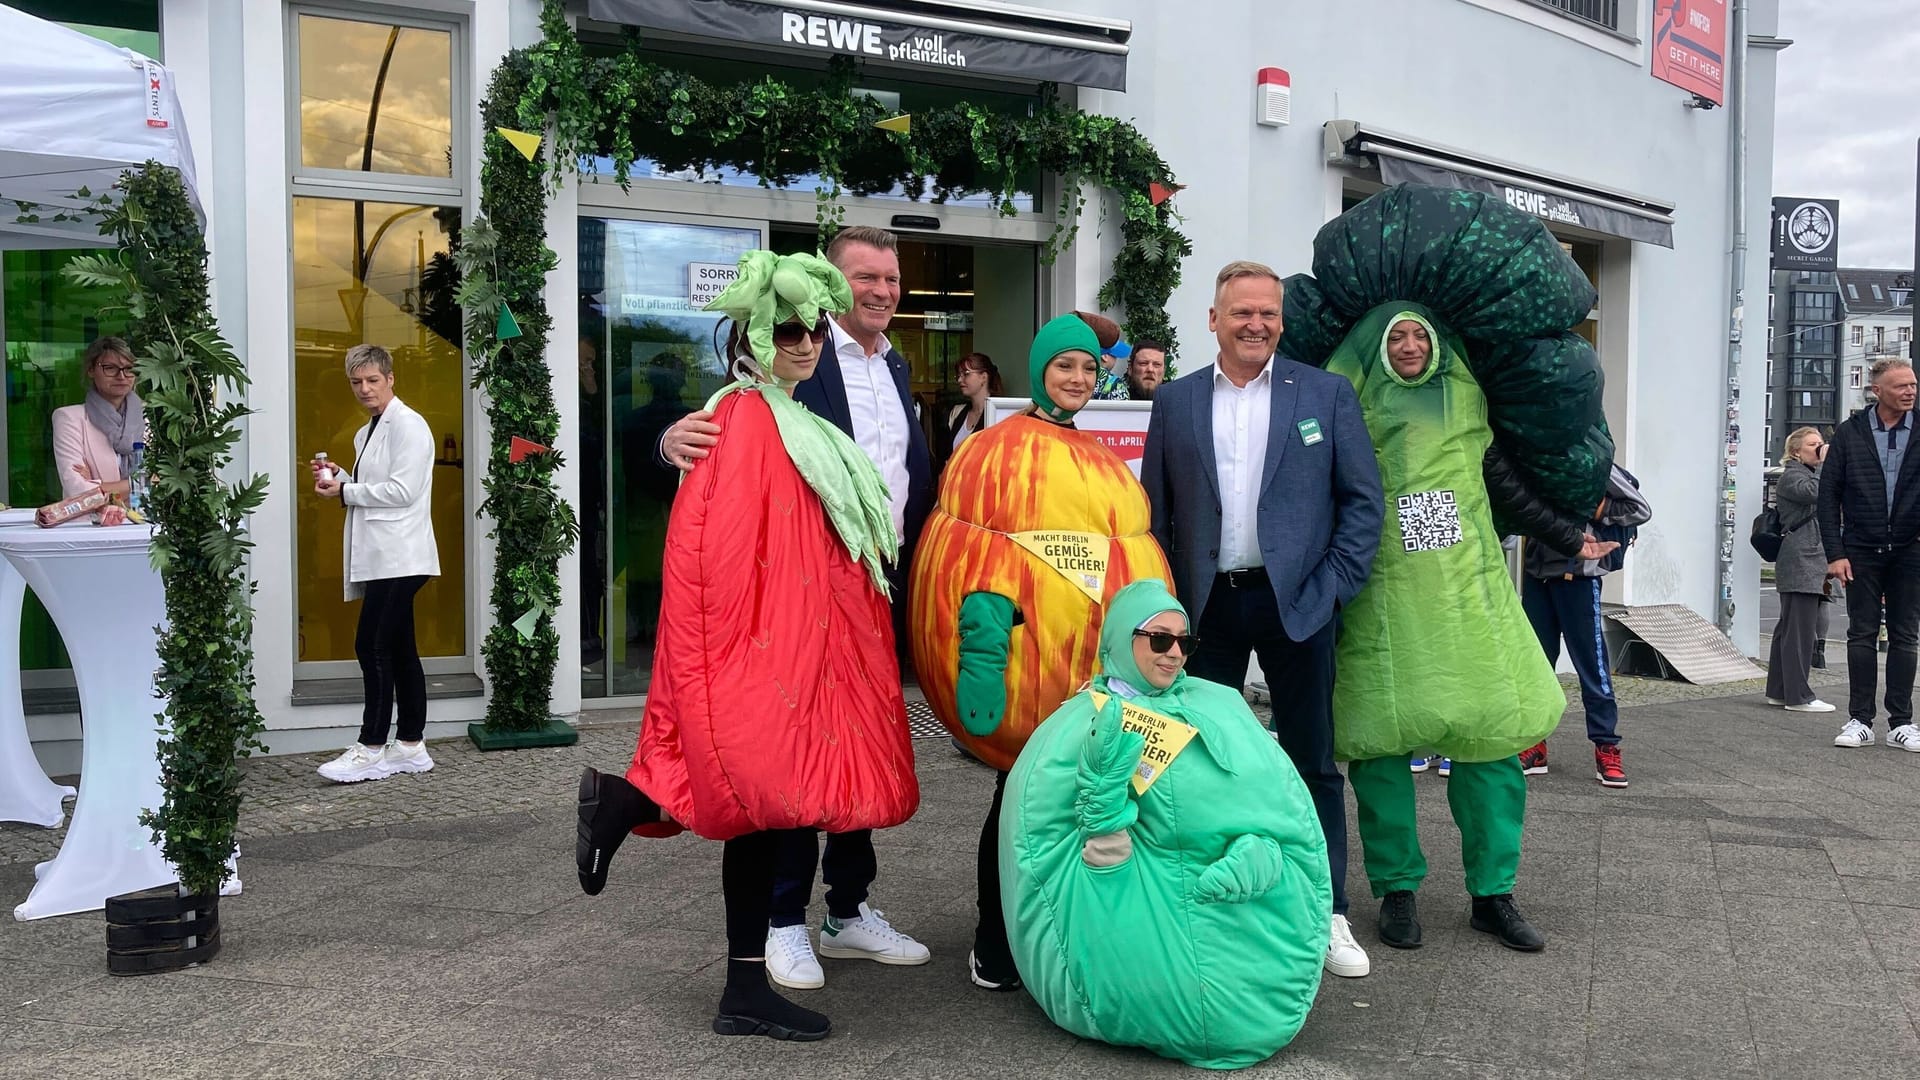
<point>137,489</point>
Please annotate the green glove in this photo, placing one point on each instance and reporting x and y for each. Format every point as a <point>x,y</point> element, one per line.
<point>1247,871</point>
<point>1107,764</point>
<point>986,629</point>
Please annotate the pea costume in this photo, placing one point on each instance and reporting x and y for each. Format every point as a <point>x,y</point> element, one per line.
<point>1435,654</point>
<point>1191,920</point>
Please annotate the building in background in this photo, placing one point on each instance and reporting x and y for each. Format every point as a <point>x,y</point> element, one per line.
<point>336,142</point>
<point>1878,308</point>
<point>1804,332</point>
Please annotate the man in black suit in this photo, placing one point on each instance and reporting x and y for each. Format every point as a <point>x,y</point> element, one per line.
<point>860,385</point>
<point>1869,512</point>
<point>1264,561</point>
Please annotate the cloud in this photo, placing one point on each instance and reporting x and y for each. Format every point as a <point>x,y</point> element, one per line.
<point>1845,125</point>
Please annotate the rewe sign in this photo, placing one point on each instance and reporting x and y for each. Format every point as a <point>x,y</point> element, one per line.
<point>865,39</point>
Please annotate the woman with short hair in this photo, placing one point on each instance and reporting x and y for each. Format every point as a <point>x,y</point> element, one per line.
<point>388,553</point>
<point>93,442</point>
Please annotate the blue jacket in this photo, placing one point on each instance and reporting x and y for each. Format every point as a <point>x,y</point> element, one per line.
<point>826,395</point>
<point>1319,522</point>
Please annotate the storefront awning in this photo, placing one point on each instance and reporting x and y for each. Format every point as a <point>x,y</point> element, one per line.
<point>955,36</point>
<point>1557,199</point>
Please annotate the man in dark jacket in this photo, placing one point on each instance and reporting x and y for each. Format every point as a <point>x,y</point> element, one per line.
<point>1870,526</point>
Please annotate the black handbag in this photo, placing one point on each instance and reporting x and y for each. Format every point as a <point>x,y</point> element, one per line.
<point>1767,534</point>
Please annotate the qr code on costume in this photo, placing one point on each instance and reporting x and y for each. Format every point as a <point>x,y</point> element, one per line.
<point>1429,521</point>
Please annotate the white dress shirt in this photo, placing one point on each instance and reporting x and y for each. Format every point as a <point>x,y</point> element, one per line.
<point>1241,416</point>
<point>879,419</point>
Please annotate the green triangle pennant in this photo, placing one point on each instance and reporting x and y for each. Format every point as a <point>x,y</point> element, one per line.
<point>508,328</point>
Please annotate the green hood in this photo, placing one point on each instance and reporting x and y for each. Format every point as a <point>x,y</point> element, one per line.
<point>1139,601</point>
<point>1068,333</point>
<point>772,289</point>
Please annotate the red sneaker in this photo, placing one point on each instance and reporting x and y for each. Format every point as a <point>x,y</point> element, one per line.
<point>1533,760</point>
<point>1606,766</point>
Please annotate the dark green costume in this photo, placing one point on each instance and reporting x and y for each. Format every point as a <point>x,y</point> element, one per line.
<point>1435,654</point>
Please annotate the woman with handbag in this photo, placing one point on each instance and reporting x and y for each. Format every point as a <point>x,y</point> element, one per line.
<point>1799,575</point>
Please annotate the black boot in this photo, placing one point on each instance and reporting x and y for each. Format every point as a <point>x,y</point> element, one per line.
<point>750,1007</point>
<point>1496,915</point>
<point>1819,654</point>
<point>609,809</point>
<point>1400,920</point>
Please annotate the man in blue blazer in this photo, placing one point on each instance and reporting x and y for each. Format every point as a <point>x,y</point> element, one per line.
<point>1267,501</point>
<point>861,385</point>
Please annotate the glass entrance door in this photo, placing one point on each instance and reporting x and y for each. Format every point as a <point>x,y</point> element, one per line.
<point>647,358</point>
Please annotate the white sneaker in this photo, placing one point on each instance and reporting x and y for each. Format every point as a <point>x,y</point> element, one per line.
<point>402,758</point>
<point>790,959</point>
<point>870,937</point>
<point>1345,957</point>
<point>1854,734</point>
<point>357,764</point>
<point>1776,701</point>
<point>1906,737</point>
<point>1816,705</point>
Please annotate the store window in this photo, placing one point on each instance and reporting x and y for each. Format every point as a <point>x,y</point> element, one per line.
<point>376,214</point>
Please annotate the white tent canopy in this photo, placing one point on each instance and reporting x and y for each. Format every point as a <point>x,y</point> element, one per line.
<point>75,113</point>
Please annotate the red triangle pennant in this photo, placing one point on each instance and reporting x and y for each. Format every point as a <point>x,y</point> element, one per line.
<point>1159,192</point>
<point>518,449</point>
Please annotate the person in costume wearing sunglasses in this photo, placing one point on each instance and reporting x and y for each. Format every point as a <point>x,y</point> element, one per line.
<point>1037,526</point>
<point>1162,864</point>
<point>776,702</point>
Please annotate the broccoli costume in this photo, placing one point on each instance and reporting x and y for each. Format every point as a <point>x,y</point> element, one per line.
<point>776,700</point>
<point>1191,920</point>
<point>1436,654</point>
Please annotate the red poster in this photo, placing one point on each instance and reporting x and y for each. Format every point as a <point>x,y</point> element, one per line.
<point>1690,46</point>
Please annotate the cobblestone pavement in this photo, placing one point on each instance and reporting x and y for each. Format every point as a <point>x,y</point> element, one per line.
<point>1746,909</point>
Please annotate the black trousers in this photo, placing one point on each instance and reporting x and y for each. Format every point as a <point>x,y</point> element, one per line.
<point>990,935</point>
<point>1791,656</point>
<point>390,661</point>
<point>746,883</point>
<point>848,868</point>
<point>1885,584</point>
<point>1240,621</point>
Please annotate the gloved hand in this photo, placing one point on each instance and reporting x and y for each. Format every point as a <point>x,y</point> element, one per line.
<point>980,692</point>
<point>1104,806</point>
<point>1246,872</point>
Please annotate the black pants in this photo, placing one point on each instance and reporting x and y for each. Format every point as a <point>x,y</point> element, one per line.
<point>390,661</point>
<point>990,935</point>
<point>1570,608</point>
<point>1791,656</point>
<point>746,883</point>
<point>848,868</point>
<point>1300,678</point>
<point>1895,576</point>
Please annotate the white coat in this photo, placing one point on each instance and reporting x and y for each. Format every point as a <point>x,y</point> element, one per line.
<point>389,501</point>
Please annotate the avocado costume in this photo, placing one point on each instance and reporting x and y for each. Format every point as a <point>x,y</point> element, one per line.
<point>1191,920</point>
<point>1436,654</point>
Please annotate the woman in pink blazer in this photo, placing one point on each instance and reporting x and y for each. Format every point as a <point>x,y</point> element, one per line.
<point>93,442</point>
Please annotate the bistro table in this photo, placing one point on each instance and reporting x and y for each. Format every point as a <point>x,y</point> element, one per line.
<point>106,599</point>
<point>25,792</point>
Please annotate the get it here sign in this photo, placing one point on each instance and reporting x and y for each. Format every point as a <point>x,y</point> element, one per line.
<point>1690,46</point>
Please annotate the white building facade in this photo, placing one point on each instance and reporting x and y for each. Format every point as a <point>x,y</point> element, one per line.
<point>323,235</point>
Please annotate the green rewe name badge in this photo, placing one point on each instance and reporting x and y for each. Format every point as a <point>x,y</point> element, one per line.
<point>1310,431</point>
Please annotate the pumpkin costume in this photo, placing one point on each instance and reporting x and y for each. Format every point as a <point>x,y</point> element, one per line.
<point>776,701</point>
<point>1191,919</point>
<point>1436,655</point>
<point>1037,526</point>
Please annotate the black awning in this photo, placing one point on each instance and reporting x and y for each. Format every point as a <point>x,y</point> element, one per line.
<point>1556,199</point>
<point>926,35</point>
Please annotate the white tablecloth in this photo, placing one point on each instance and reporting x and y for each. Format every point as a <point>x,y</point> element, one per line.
<point>106,598</point>
<point>25,792</point>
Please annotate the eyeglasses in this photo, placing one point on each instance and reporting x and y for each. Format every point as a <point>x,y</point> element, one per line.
<point>1160,641</point>
<point>117,371</point>
<point>789,334</point>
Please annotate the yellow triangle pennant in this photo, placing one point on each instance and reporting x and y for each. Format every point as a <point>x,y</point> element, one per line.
<point>1080,557</point>
<point>902,123</point>
<point>527,143</point>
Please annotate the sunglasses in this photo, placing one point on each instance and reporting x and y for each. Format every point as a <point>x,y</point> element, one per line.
<point>1160,641</point>
<point>789,334</point>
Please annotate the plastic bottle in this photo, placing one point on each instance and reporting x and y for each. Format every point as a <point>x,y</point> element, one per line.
<point>137,480</point>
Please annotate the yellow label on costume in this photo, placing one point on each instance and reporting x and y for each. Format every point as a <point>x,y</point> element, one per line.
<point>1080,557</point>
<point>1165,736</point>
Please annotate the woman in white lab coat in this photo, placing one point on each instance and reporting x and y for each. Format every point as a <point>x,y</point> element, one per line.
<point>389,553</point>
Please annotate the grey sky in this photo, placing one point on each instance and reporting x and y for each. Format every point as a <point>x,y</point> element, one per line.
<point>1849,94</point>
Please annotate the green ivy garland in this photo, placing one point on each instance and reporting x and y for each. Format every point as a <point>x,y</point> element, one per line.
<point>623,106</point>
<point>200,543</point>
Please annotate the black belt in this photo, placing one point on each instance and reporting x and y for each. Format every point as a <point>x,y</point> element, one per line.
<point>1249,578</point>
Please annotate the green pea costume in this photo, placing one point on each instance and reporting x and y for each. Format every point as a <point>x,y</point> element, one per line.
<point>1435,654</point>
<point>1191,920</point>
